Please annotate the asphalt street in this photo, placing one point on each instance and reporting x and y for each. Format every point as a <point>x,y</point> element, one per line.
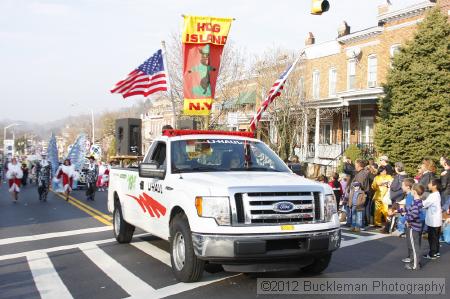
<point>66,250</point>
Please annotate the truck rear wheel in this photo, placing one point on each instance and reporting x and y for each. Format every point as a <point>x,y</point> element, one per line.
<point>320,264</point>
<point>185,264</point>
<point>123,231</point>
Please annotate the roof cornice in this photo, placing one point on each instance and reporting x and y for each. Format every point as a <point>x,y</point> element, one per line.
<point>404,13</point>
<point>360,35</point>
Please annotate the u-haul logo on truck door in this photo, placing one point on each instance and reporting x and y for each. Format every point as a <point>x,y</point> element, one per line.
<point>148,204</point>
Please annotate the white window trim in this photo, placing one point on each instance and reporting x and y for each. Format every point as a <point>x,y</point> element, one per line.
<point>372,84</point>
<point>322,129</point>
<point>348,74</point>
<point>363,119</point>
<point>392,49</point>
<point>346,133</point>
<point>330,92</point>
<point>317,86</point>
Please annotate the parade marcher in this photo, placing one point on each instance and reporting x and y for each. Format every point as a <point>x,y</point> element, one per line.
<point>44,177</point>
<point>25,174</point>
<point>396,190</point>
<point>105,178</point>
<point>66,172</point>
<point>381,186</point>
<point>91,178</point>
<point>428,170</point>
<point>14,176</point>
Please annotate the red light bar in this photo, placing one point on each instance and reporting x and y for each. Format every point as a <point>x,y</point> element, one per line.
<point>173,133</point>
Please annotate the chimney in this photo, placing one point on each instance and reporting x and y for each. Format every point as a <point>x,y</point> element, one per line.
<point>384,7</point>
<point>343,29</point>
<point>310,39</point>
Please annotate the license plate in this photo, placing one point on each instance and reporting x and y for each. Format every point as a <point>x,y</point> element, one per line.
<point>287,227</point>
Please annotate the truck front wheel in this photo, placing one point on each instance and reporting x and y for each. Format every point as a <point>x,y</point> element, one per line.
<point>123,231</point>
<point>185,264</point>
<point>320,264</point>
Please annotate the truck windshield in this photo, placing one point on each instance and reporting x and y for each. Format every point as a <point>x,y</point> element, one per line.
<point>206,155</point>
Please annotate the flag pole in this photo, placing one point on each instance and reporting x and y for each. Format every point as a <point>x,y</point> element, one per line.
<point>277,89</point>
<point>169,85</point>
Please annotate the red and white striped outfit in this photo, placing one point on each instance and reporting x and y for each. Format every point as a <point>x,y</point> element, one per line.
<point>14,176</point>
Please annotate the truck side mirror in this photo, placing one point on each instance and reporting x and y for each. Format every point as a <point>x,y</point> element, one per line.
<point>151,170</point>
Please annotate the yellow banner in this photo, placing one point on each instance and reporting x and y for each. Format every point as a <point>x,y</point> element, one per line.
<point>206,30</point>
<point>197,107</point>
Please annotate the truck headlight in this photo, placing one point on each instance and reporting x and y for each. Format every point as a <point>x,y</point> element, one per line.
<point>217,207</point>
<point>330,207</point>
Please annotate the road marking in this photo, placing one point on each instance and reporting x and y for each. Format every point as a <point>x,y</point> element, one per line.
<point>59,248</point>
<point>129,282</point>
<point>54,235</point>
<point>97,217</point>
<point>107,217</point>
<point>153,251</point>
<point>183,287</point>
<point>47,280</point>
<point>363,239</point>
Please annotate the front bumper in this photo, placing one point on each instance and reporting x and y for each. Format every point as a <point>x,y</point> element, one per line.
<point>263,247</point>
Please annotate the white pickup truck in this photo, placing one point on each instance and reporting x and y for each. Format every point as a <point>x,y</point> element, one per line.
<point>225,198</point>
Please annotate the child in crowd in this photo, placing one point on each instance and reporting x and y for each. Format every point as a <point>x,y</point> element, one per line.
<point>356,201</point>
<point>414,230</point>
<point>405,204</point>
<point>433,218</point>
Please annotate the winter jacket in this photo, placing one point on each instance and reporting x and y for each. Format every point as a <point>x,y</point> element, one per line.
<point>361,200</point>
<point>413,215</point>
<point>425,179</point>
<point>434,211</point>
<point>396,190</point>
<point>445,185</point>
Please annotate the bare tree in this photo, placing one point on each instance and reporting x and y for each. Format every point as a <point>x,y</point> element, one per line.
<point>288,112</point>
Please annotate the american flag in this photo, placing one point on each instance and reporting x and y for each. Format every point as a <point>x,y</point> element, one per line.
<point>274,92</point>
<point>148,78</point>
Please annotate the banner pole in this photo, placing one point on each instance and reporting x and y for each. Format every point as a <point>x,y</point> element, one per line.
<point>164,52</point>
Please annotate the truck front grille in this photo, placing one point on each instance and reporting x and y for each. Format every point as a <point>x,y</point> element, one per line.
<point>261,208</point>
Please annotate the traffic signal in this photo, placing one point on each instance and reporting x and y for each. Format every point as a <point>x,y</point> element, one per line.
<point>319,6</point>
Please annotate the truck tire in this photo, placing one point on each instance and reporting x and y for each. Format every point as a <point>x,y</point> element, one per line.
<point>123,231</point>
<point>185,265</point>
<point>320,263</point>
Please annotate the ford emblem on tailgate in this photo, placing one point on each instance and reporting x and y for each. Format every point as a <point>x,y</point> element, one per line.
<point>283,207</point>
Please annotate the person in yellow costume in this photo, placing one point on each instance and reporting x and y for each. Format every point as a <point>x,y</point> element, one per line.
<point>381,185</point>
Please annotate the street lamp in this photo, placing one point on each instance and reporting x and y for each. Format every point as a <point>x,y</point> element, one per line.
<point>4,135</point>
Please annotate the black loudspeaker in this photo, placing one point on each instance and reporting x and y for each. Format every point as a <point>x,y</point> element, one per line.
<point>128,136</point>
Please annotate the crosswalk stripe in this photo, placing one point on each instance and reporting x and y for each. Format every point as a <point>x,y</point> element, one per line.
<point>54,235</point>
<point>362,239</point>
<point>153,251</point>
<point>183,287</point>
<point>47,280</point>
<point>129,282</point>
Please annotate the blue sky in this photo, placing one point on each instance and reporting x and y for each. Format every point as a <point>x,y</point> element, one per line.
<point>54,54</point>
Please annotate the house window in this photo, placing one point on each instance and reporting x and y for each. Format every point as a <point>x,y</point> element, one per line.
<point>366,135</point>
<point>316,85</point>
<point>301,87</point>
<point>372,71</point>
<point>332,78</point>
<point>351,74</point>
<point>394,50</point>
<point>346,131</point>
<point>325,137</point>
